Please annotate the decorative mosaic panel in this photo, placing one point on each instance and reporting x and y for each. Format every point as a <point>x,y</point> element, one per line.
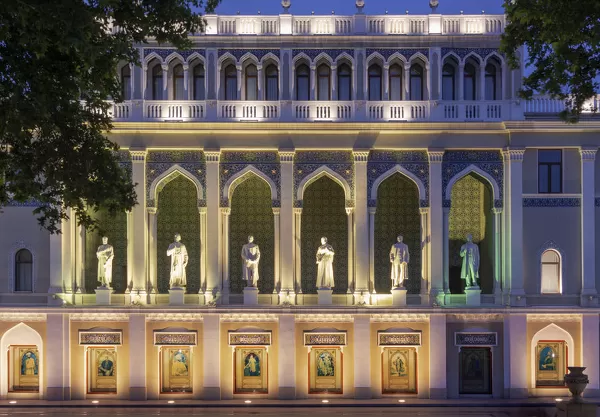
<point>397,214</point>
<point>158,162</point>
<point>475,339</point>
<point>463,52</point>
<point>332,53</point>
<point>414,162</point>
<point>165,52</point>
<point>252,214</point>
<point>249,339</point>
<point>489,162</point>
<point>175,338</point>
<point>234,162</point>
<point>28,203</point>
<point>325,339</point>
<point>407,53</point>
<point>399,339</point>
<point>258,53</point>
<point>101,338</point>
<point>552,202</point>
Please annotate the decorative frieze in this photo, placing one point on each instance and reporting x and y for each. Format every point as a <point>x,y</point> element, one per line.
<point>99,316</point>
<point>258,53</point>
<point>552,202</point>
<point>249,338</point>
<point>554,318</point>
<point>332,53</point>
<point>109,337</point>
<point>165,338</point>
<point>174,317</point>
<point>405,53</point>
<point>324,338</point>
<point>476,339</point>
<point>165,52</point>
<point>22,316</point>
<point>324,318</point>
<point>392,339</point>
<point>400,318</point>
<point>249,317</point>
<point>482,53</point>
<point>474,318</point>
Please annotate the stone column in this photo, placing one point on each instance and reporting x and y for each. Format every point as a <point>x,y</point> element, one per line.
<point>350,213</point>
<point>152,250</point>
<point>276,221</point>
<point>203,243</point>
<point>313,83</point>
<point>286,227</point>
<point>588,227</point>
<point>260,82</point>
<point>213,226</point>
<point>240,80</point>
<point>446,252</point>
<point>406,82</point>
<point>425,277</point>
<point>67,253</point>
<point>482,82</point>
<point>298,247</point>
<point>514,214</point>
<point>436,226</point>
<point>138,280</point>
<point>186,83</point>
<point>212,357</point>
<point>361,223</point>
<point>165,80</point>
<point>137,357</point>
<point>225,281</point>
<point>362,350</point>
<point>79,258</point>
<point>56,265</point>
<point>461,82</point>
<point>129,278</point>
<point>287,357</point>
<point>58,366</point>
<point>590,333</point>
<point>515,359</point>
<point>437,357</point>
<point>497,212</point>
<point>386,82</point>
<point>334,88</point>
<point>372,211</point>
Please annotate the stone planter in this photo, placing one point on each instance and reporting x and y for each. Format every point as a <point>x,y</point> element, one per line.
<point>576,381</point>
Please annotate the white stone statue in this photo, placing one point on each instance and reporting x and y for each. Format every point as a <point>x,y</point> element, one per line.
<point>105,254</point>
<point>470,263</point>
<point>179,260</point>
<point>325,261</point>
<point>251,257</point>
<point>399,257</point>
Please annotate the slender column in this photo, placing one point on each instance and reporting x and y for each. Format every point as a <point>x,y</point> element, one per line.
<point>287,230</point>
<point>425,277</point>
<point>57,364</point>
<point>80,259</point>
<point>73,239</point>
<point>515,361</point>
<point>67,252</point>
<point>427,93</point>
<point>152,248</point>
<point>436,225</point>
<point>313,81</point>
<point>590,334</point>
<point>406,81</point>
<point>129,252</point>
<point>437,356</point>
<point>298,247</point>
<point>588,227</point>
<point>212,357</point>
<point>287,357</point>
<point>497,256</point>
<point>56,266</point>
<point>276,220</point>
<point>372,211</point>
<point>362,349</point>
<point>504,80</point>
<point>137,357</point>
<point>138,237</point>
<point>361,223</point>
<point>260,82</point>
<point>240,80</point>
<point>334,88</point>
<point>350,213</point>
<point>461,82</point>
<point>165,80</point>
<point>203,243</point>
<point>212,246</point>
<point>186,77</point>
<point>482,82</point>
<point>386,82</point>
<point>446,253</point>
<point>225,213</point>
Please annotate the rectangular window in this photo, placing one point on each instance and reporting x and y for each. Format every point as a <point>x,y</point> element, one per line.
<point>550,171</point>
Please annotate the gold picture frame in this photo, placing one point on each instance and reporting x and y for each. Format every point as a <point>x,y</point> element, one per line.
<point>399,370</point>
<point>24,369</point>
<point>251,366</point>
<point>550,363</point>
<point>325,370</point>
<point>102,370</point>
<point>176,369</point>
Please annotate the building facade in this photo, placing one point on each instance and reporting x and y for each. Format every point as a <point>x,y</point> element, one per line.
<point>293,128</point>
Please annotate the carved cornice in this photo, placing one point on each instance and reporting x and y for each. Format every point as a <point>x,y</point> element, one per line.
<point>474,318</point>
<point>212,156</point>
<point>554,317</point>
<point>513,154</point>
<point>249,317</point>
<point>22,316</point>
<point>435,157</point>
<point>286,156</point>
<point>184,317</point>
<point>138,156</point>
<point>403,318</point>
<point>99,316</point>
<point>588,154</point>
<point>324,318</point>
<point>361,156</point>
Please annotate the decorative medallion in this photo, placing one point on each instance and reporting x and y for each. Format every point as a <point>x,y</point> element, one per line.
<point>249,338</point>
<point>162,338</point>
<point>324,338</point>
<point>398,339</point>
<point>112,337</point>
<point>476,339</point>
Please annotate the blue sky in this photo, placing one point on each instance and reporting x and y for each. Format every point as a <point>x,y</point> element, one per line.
<point>346,7</point>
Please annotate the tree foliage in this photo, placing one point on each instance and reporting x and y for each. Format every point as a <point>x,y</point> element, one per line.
<point>562,38</point>
<point>58,66</point>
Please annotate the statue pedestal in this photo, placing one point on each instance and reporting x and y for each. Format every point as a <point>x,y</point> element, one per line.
<point>576,409</point>
<point>325,297</point>
<point>176,296</point>
<point>473,296</point>
<point>103,296</point>
<point>399,296</point>
<point>251,296</point>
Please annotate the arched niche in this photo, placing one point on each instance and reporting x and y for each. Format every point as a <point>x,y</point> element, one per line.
<point>20,335</point>
<point>551,332</point>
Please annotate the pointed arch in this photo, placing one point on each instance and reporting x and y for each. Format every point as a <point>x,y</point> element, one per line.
<point>323,171</point>
<point>194,56</point>
<point>323,57</point>
<point>419,56</point>
<point>400,170</point>
<point>301,57</point>
<point>269,57</point>
<point>374,57</point>
<point>227,56</point>
<point>20,334</point>
<point>242,176</point>
<point>552,332</point>
<point>496,55</point>
<point>344,56</point>
<point>150,57</point>
<point>451,54</point>
<point>169,175</point>
<point>397,57</point>
<point>473,55</point>
<point>175,56</point>
<point>475,170</point>
<point>247,58</point>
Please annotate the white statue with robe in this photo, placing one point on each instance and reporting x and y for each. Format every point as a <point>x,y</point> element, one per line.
<point>325,265</point>
<point>469,253</point>
<point>399,258</point>
<point>179,260</point>
<point>105,254</point>
<point>250,257</point>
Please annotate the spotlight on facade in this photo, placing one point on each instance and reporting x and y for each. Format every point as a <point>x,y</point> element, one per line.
<point>325,401</point>
<point>558,400</point>
<point>401,401</point>
<point>95,402</point>
<point>12,402</point>
<point>170,402</point>
<point>248,402</point>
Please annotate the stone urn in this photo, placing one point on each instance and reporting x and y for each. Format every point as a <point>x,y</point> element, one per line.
<point>576,381</point>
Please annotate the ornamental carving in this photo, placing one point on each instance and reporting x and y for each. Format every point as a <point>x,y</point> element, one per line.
<point>258,53</point>
<point>165,52</point>
<point>463,52</point>
<point>332,53</point>
<point>175,338</point>
<point>101,338</point>
<point>399,339</point>
<point>552,202</point>
<point>325,339</point>
<point>476,339</point>
<point>406,53</point>
<point>249,339</point>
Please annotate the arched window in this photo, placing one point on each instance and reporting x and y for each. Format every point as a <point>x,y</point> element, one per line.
<point>416,82</point>
<point>448,83</point>
<point>470,82</point>
<point>23,270</point>
<point>271,83</point>
<point>302,83</point>
<point>251,82</point>
<point>344,79</point>
<point>198,83</point>
<point>157,82</point>
<point>551,272</point>
<point>490,82</point>
<point>230,83</point>
<point>375,83</point>
<point>126,82</point>
<point>395,82</point>
<point>324,83</point>
<point>178,90</point>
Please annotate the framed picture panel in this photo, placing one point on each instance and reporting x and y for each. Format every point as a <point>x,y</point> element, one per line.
<point>24,367</point>
<point>251,370</point>
<point>325,370</point>
<point>550,363</point>
<point>399,370</point>
<point>102,370</point>
<point>176,369</point>
<point>475,370</point>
